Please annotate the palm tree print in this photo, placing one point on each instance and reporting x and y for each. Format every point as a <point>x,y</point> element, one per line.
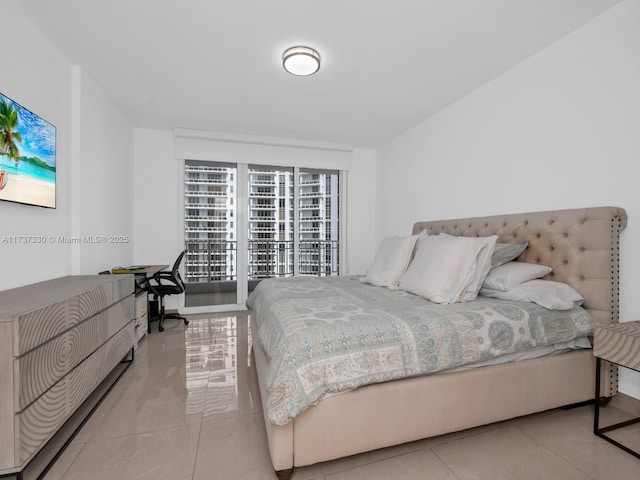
<point>9,133</point>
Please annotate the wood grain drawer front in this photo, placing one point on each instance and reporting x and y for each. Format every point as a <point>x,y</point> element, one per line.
<point>83,379</point>
<point>141,306</point>
<point>37,371</point>
<point>119,315</point>
<point>42,367</point>
<point>42,324</point>
<point>35,328</point>
<point>39,422</point>
<point>619,343</point>
<point>143,326</point>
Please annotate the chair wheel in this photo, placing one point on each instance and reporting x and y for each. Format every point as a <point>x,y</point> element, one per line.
<point>161,328</point>
<point>186,322</point>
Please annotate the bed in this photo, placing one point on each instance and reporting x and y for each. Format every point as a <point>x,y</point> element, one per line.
<point>582,247</point>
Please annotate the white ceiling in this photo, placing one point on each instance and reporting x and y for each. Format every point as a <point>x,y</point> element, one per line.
<point>215,65</point>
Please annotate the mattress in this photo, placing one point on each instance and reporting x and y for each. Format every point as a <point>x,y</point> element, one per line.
<point>333,334</point>
<point>557,349</point>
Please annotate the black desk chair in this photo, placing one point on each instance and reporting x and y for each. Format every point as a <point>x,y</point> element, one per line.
<point>166,283</point>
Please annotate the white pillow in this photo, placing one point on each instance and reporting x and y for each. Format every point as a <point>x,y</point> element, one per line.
<point>442,268</point>
<point>391,261</point>
<point>482,267</point>
<point>546,293</point>
<point>511,274</point>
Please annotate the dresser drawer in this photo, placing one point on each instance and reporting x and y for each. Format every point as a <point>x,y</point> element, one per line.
<point>44,366</point>
<point>40,420</point>
<point>42,324</point>
<point>59,339</point>
<point>141,305</point>
<point>142,326</point>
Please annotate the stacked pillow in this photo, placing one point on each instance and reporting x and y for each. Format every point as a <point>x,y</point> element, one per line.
<point>444,268</point>
<point>506,252</point>
<point>391,261</point>
<point>546,293</point>
<point>447,269</point>
<point>511,274</point>
<point>521,282</point>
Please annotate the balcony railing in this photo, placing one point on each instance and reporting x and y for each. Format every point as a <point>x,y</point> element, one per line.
<point>205,218</point>
<point>215,260</point>
<point>219,206</point>
<point>263,182</point>
<point>205,181</point>
<point>258,206</point>
<point>262,194</point>
<point>206,168</point>
<point>203,193</point>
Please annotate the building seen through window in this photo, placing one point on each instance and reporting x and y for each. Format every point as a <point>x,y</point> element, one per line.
<point>281,240</point>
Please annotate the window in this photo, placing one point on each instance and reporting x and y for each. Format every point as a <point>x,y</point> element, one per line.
<point>270,208</point>
<point>208,225</point>
<point>318,220</point>
<point>292,224</point>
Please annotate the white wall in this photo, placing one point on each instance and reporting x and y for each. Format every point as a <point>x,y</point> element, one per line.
<point>561,130</point>
<point>159,177</point>
<point>361,201</point>
<point>104,186</point>
<point>156,198</point>
<point>94,153</point>
<point>36,75</point>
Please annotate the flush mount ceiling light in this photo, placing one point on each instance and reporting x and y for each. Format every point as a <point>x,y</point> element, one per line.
<point>301,61</point>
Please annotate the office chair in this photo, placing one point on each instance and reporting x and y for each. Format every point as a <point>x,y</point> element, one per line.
<point>166,283</point>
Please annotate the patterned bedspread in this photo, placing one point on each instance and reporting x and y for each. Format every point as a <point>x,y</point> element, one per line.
<point>332,334</point>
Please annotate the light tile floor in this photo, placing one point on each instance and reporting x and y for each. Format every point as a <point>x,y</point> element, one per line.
<point>189,409</point>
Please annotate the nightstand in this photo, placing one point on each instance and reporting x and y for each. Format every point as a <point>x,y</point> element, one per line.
<point>617,343</point>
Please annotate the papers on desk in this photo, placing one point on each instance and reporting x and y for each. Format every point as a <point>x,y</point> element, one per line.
<point>130,269</point>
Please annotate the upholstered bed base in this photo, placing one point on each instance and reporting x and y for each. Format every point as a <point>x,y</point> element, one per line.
<point>581,246</point>
<point>391,413</point>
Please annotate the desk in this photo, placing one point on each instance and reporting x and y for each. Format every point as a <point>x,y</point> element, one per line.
<point>617,343</point>
<point>141,306</point>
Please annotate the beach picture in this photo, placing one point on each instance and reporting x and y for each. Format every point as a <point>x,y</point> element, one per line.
<point>27,156</point>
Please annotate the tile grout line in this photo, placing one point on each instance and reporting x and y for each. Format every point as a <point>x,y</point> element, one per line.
<point>553,450</point>
<point>431,449</point>
<point>204,403</point>
<point>75,459</point>
<point>195,458</point>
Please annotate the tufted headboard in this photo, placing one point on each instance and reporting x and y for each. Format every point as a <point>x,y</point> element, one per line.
<point>581,245</point>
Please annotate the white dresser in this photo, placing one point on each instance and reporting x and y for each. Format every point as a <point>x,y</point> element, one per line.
<point>58,340</point>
